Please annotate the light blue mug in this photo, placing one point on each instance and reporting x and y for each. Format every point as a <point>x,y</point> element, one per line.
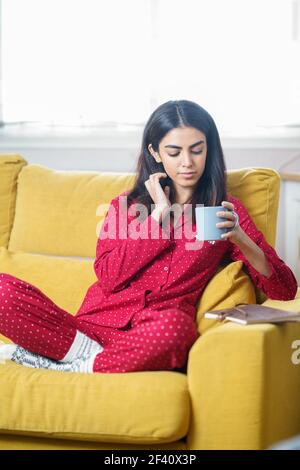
<point>206,220</point>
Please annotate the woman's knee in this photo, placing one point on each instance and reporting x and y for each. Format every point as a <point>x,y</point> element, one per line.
<point>6,294</point>
<point>8,285</point>
<point>5,277</point>
<point>8,280</point>
<point>178,333</point>
<point>177,328</point>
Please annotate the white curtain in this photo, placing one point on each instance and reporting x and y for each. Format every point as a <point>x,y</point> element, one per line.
<point>96,62</point>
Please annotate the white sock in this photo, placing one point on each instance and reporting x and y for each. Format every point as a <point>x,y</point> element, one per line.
<point>79,358</point>
<point>6,351</point>
<point>26,358</point>
<point>82,347</point>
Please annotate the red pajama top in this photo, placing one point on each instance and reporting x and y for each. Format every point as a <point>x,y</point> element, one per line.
<point>157,270</point>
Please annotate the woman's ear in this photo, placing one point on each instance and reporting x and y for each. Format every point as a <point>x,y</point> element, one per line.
<point>155,155</point>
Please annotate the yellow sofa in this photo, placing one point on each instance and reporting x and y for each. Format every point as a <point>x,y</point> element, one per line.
<point>240,390</point>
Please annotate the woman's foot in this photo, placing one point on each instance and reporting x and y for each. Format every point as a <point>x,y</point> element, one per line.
<point>6,351</point>
<point>26,358</point>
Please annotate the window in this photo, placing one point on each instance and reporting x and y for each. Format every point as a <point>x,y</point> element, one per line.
<point>96,62</point>
<point>75,61</point>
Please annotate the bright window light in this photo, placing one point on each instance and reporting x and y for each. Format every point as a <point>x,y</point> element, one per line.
<point>96,62</point>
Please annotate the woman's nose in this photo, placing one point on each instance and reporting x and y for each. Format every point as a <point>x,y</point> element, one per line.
<point>187,159</point>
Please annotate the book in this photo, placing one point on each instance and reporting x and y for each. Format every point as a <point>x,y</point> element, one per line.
<point>247,314</point>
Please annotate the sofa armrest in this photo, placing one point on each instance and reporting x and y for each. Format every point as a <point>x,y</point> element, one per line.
<point>244,386</point>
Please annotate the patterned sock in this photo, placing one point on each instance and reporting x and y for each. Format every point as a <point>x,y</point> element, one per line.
<point>82,347</point>
<point>26,358</point>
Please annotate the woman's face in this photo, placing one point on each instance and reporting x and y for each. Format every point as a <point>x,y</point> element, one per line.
<point>182,151</point>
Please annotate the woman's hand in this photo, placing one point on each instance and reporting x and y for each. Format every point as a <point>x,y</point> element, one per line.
<point>235,235</point>
<point>159,195</point>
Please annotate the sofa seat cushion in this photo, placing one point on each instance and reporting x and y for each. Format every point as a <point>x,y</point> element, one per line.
<point>138,407</point>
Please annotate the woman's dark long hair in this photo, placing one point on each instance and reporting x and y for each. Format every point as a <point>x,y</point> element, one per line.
<point>211,187</point>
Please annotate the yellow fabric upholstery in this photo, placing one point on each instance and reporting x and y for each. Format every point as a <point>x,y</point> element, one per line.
<point>95,407</point>
<point>261,185</point>
<point>235,374</point>
<point>10,166</point>
<point>64,209</point>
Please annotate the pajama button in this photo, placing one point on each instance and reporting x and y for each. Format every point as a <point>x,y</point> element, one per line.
<point>166,268</point>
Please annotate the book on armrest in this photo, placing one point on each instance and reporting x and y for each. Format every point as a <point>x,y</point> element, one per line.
<point>253,313</point>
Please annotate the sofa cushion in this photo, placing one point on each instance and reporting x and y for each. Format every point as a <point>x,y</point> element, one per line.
<point>140,407</point>
<point>258,189</point>
<point>229,287</point>
<point>10,166</point>
<point>61,212</point>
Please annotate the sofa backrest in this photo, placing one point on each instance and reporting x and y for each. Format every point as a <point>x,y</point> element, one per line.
<point>10,167</point>
<point>61,212</point>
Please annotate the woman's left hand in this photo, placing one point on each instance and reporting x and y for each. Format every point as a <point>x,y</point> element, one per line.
<point>234,235</point>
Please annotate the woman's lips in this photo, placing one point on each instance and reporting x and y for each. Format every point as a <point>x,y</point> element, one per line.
<point>188,175</point>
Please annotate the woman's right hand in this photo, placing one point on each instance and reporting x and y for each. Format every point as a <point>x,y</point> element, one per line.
<point>159,195</point>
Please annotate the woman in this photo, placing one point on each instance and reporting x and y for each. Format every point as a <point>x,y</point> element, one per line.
<point>140,313</point>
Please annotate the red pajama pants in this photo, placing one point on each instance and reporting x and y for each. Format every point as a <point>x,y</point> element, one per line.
<point>155,340</point>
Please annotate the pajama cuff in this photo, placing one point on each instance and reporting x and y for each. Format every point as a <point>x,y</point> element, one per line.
<point>264,279</point>
<point>264,282</point>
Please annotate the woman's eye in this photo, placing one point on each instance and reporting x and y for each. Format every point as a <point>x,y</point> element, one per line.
<point>176,154</point>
